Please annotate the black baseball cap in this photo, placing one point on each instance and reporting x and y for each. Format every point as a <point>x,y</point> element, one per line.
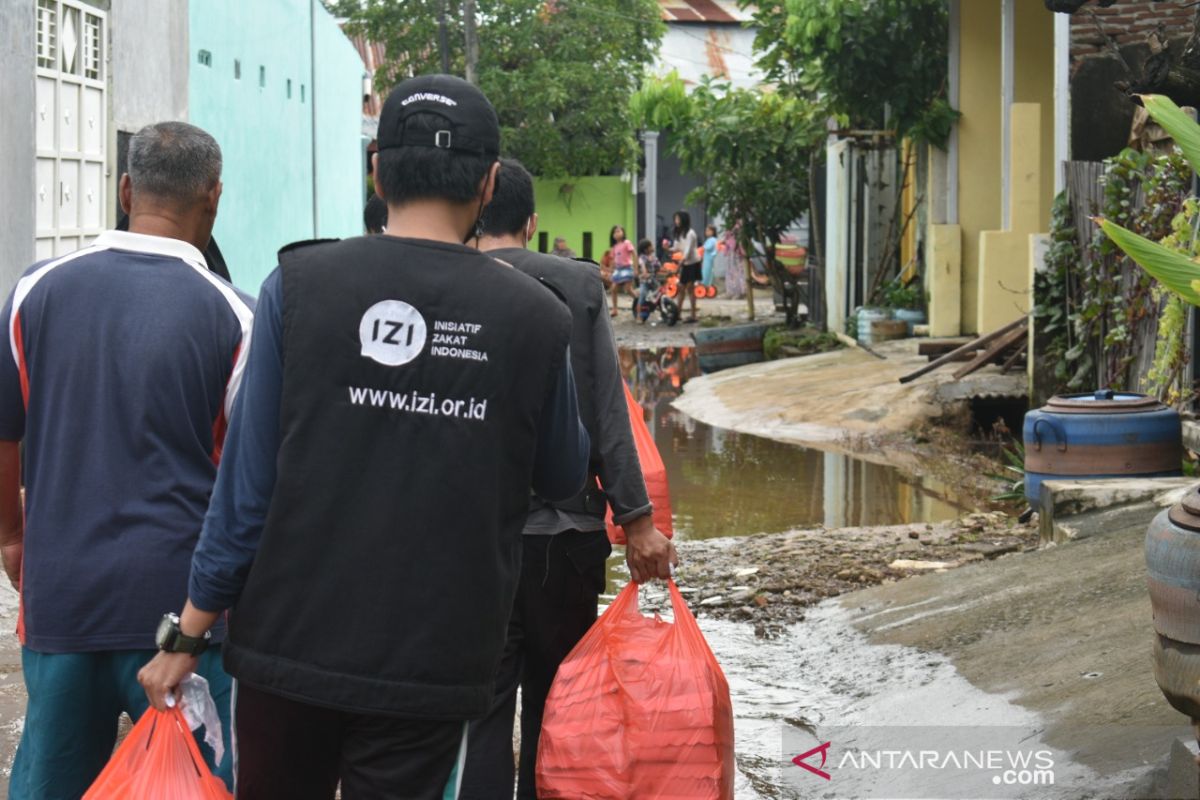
<point>471,125</point>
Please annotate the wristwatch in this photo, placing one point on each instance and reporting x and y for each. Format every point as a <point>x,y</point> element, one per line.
<point>170,639</point>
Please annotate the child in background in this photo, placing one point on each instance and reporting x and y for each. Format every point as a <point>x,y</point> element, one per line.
<point>648,265</point>
<point>622,253</point>
<point>710,255</point>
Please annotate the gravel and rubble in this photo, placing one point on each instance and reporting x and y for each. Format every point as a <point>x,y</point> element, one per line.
<point>769,580</point>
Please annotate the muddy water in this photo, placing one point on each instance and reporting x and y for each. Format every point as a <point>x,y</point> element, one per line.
<point>728,484</point>
<point>725,483</point>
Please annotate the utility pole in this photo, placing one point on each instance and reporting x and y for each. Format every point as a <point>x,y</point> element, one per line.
<point>472,40</point>
<point>443,41</point>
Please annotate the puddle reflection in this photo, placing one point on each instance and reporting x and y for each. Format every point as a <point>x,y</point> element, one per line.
<point>725,483</point>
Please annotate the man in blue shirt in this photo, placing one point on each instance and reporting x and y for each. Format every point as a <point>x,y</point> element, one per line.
<point>119,365</point>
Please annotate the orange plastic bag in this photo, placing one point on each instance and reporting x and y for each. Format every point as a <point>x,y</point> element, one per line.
<point>653,471</point>
<point>159,760</point>
<point>639,709</point>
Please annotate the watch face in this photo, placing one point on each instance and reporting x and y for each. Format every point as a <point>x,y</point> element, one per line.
<point>166,627</point>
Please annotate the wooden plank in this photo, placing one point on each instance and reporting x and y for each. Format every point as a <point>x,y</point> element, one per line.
<point>855,343</point>
<point>935,347</point>
<point>958,358</point>
<point>994,350</point>
<point>1018,355</point>
<point>982,341</point>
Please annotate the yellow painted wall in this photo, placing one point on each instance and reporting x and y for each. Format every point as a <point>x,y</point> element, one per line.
<point>943,260</point>
<point>1033,74</point>
<point>979,152</point>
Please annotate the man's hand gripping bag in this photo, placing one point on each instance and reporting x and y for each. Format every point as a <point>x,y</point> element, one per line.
<point>639,709</point>
<point>159,760</point>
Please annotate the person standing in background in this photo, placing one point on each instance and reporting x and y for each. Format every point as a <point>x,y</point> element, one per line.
<point>689,273</point>
<point>710,255</point>
<point>560,248</point>
<point>623,257</point>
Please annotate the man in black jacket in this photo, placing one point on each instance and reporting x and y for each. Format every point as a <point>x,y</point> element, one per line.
<point>402,394</point>
<point>565,543</point>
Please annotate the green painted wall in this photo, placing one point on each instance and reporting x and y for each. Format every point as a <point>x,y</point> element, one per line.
<point>593,205</point>
<point>341,147</point>
<point>266,131</point>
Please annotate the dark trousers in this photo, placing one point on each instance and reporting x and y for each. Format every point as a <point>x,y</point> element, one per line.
<point>561,579</point>
<point>290,749</point>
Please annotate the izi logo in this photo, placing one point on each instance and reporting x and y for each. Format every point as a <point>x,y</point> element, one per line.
<point>392,332</point>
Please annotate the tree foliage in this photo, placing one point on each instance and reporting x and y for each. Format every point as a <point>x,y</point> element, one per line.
<point>877,64</point>
<point>559,72</point>
<point>752,148</point>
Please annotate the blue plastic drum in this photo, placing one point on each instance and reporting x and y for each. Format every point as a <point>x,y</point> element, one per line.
<point>1101,435</point>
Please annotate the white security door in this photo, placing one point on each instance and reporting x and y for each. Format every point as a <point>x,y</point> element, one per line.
<point>71,120</point>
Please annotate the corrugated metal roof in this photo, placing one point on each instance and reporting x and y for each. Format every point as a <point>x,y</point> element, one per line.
<point>725,12</point>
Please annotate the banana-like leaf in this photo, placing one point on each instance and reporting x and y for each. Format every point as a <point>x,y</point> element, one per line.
<point>1182,128</point>
<point>1172,269</point>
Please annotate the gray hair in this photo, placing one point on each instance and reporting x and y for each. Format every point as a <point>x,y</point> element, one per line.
<point>174,161</point>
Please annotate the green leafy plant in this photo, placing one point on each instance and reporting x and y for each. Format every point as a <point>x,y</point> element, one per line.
<point>1176,270</point>
<point>876,63</point>
<point>1013,473</point>
<point>1051,294</point>
<point>897,295</point>
<point>782,342</point>
<point>559,73</point>
<point>752,148</point>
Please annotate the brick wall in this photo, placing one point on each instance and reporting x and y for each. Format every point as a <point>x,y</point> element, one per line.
<point>1129,22</point>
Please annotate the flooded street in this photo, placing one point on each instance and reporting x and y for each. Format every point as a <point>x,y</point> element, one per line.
<point>727,484</point>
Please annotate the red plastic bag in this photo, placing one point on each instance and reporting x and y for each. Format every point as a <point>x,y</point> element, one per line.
<point>639,709</point>
<point>159,760</point>
<point>653,471</point>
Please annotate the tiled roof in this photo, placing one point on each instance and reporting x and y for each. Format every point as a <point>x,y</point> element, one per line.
<point>703,11</point>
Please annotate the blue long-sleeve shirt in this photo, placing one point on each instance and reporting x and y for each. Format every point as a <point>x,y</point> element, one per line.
<point>245,481</point>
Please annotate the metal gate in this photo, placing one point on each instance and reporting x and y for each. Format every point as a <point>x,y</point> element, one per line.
<point>71,125</point>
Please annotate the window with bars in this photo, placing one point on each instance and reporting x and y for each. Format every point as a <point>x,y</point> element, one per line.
<point>91,47</point>
<point>47,33</point>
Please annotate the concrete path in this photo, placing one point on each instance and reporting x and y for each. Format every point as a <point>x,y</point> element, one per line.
<point>835,400</point>
<point>1062,632</point>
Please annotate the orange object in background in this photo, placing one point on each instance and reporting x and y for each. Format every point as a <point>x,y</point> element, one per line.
<point>639,709</point>
<point>700,290</point>
<point>653,470</point>
<point>677,258</point>
<point>712,291</point>
<point>158,760</point>
<point>672,287</point>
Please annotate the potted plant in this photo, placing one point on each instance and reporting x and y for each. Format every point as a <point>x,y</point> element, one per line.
<point>905,302</point>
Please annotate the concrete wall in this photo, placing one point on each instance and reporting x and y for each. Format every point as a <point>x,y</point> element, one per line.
<point>595,204</point>
<point>17,135</point>
<point>150,59</point>
<point>673,189</point>
<point>266,135</point>
<point>979,150</point>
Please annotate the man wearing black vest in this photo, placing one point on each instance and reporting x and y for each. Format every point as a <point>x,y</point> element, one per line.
<point>403,392</point>
<point>566,544</point>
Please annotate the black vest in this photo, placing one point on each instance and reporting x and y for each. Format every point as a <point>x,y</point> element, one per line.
<point>414,375</point>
